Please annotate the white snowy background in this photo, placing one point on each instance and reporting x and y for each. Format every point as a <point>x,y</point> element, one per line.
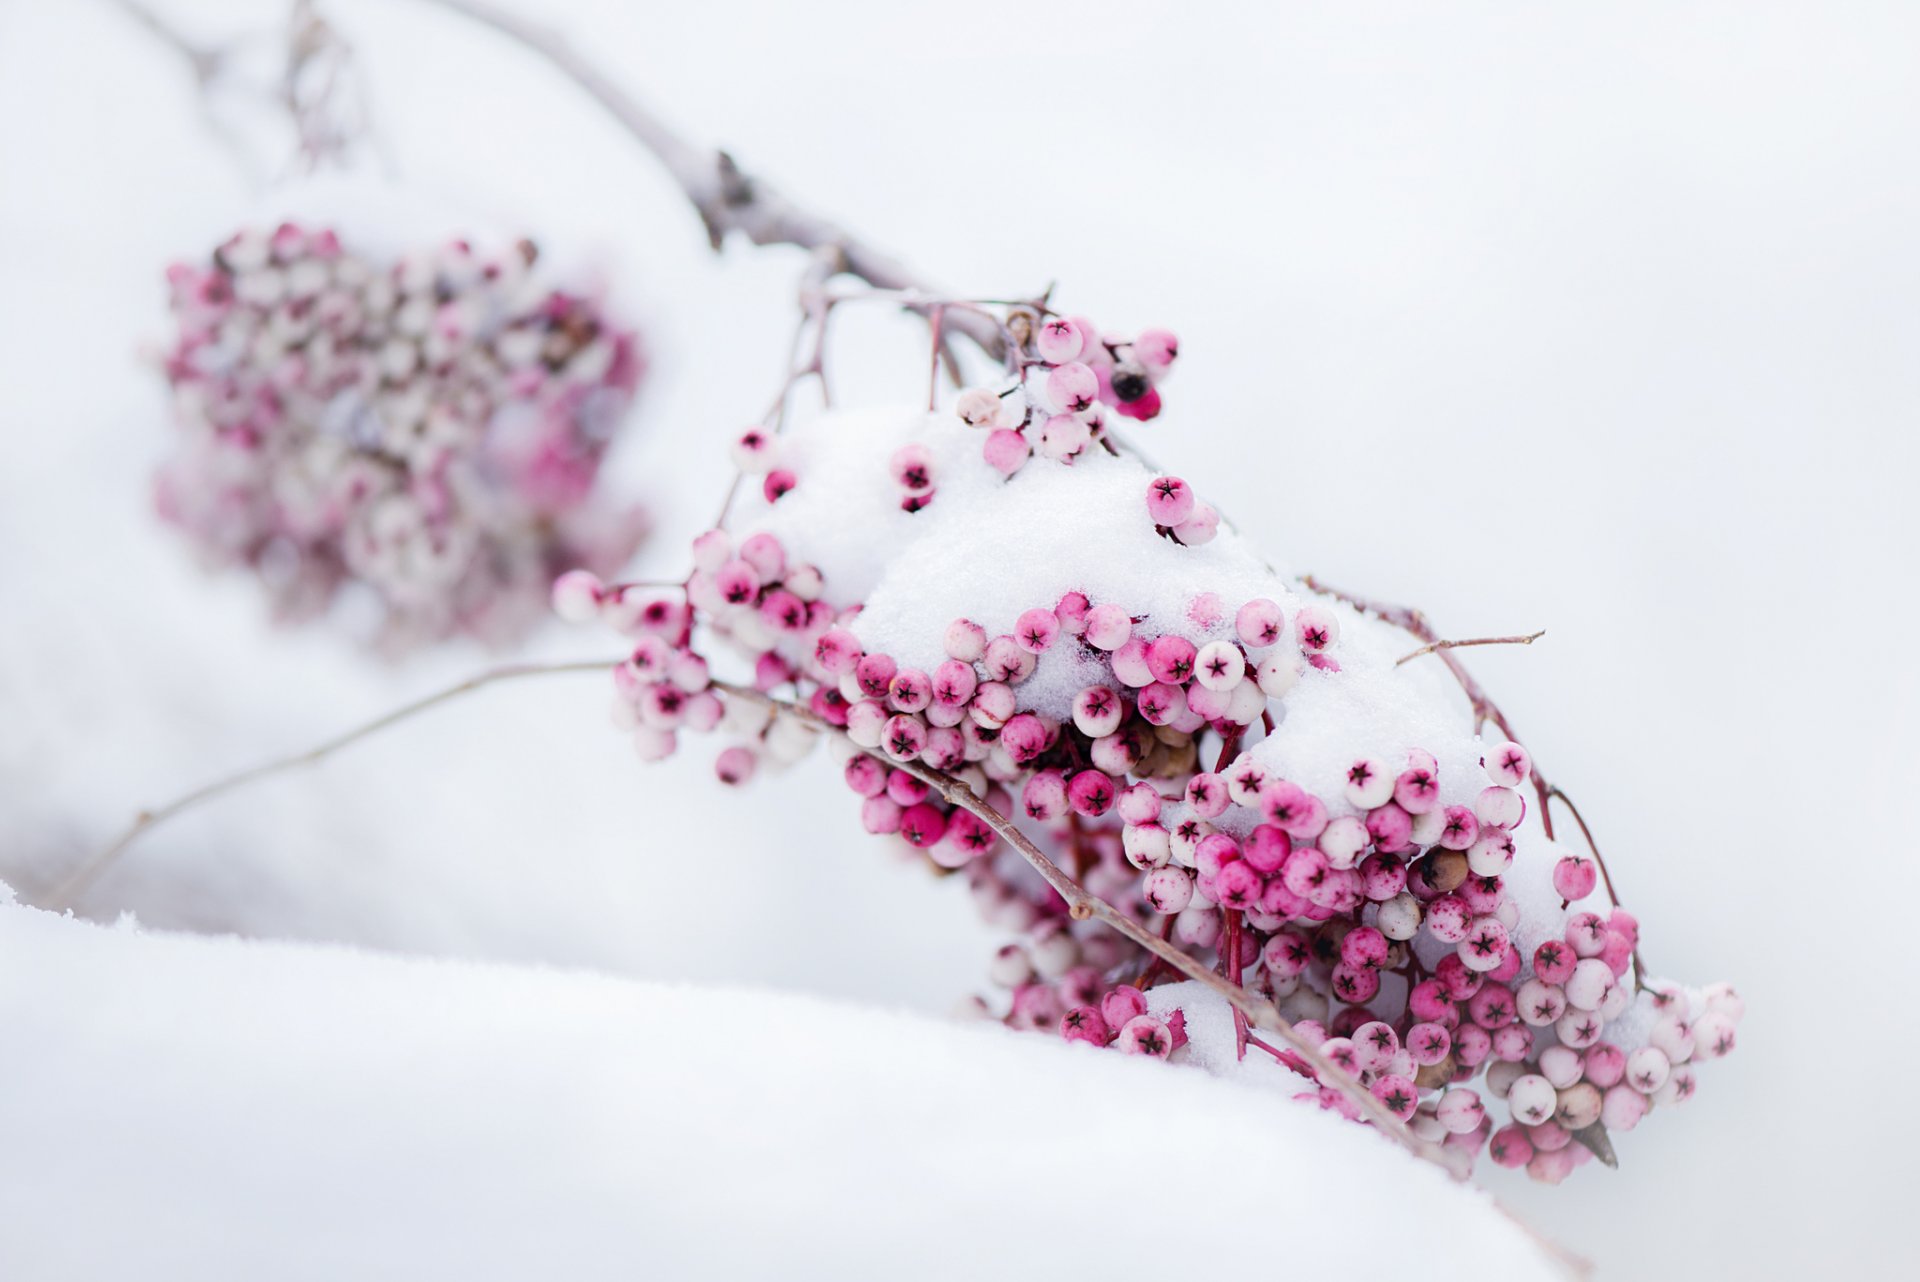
<point>1601,320</point>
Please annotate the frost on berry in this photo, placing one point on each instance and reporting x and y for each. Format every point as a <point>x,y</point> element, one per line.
<point>423,435</point>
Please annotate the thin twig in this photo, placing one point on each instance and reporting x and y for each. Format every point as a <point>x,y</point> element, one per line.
<point>1433,646</point>
<point>63,895</point>
<point>726,198</point>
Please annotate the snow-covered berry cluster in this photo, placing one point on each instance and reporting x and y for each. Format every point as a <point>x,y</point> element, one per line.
<point>1066,390</point>
<point>429,429</point>
<point>1242,765</point>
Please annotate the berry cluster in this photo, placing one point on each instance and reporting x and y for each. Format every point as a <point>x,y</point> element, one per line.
<point>1385,902</point>
<point>1058,406</point>
<point>428,429</point>
<point>1074,377</point>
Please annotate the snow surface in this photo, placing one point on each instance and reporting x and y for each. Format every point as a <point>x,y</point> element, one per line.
<point>208,1109</point>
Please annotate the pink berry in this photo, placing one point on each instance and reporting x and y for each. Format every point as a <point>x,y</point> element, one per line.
<point>1574,878</point>
<point>764,553</point>
<point>1145,1035</point>
<point>1090,793</point>
<point>1059,340</point>
<point>1417,791</point>
<point>576,596</point>
<point>1200,527</point>
<point>1218,665</point>
<point>1317,628</point>
<point>954,683</point>
<point>1156,350</point>
<point>966,641</point>
<point>779,483</point>
<point>1063,436</point>
<point>1461,829</point>
<point>1072,387</point>
<point>735,765</point>
<point>1036,630</point>
<point>923,825</point>
<point>874,674</point>
<point>1108,627</point>
<point>1171,659</point>
<point>1130,664</point>
<point>912,467</point>
<point>1260,623</point>
<point>1399,1094</point>
<point>837,651</point>
<point>1509,765</point>
<point>1009,661</point>
<point>1509,1147</point>
<point>1139,804</point>
<point>1006,451</point>
<point>1071,612</point>
<point>1122,1005</point>
<point>1499,807</point>
<point>1169,500</point>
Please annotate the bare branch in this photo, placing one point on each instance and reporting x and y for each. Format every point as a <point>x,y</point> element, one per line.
<point>1433,646</point>
<point>727,198</point>
<point>207,62</point>
<point>66,892</point>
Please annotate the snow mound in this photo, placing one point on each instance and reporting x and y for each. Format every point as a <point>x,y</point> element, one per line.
<point>193,1108</point>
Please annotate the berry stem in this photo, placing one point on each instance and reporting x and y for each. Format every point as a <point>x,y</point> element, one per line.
<point>1553,794</point>
<point>1231,956</point>
<point>64,894</point>
<point>1150,973</point>
<point>1282,1056</point>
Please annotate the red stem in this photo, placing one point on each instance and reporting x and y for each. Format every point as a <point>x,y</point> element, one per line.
<point>1231,957</point>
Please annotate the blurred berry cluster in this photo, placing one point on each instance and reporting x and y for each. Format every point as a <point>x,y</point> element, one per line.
<point>423,434</point>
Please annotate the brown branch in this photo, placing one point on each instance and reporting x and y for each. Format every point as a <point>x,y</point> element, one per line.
<point>1433,646</point>
<point>727,199</point>
<point>76,884</point>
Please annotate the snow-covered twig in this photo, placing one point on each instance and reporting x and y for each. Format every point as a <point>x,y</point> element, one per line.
<point>318,86</point>
<point>726,197</point>
<point>68,891</point>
